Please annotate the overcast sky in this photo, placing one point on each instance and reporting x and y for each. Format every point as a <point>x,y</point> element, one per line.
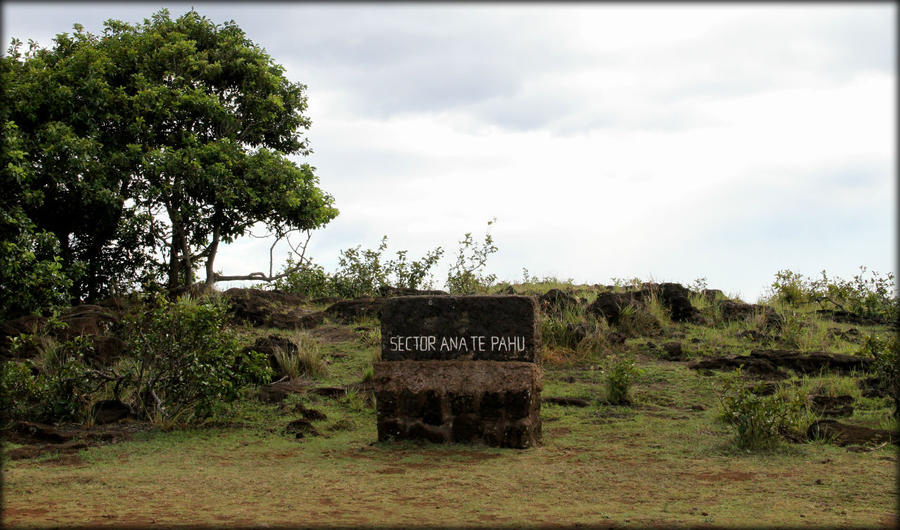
<point>659,141</point>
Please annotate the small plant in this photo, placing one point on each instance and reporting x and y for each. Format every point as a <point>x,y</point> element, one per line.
<point>370,336</point>
<point>356,400</point>
<point>309,360</point>
<point>635,321</point>
<point>620,372</point>
<point>759,421</point>
<point>465,276</point>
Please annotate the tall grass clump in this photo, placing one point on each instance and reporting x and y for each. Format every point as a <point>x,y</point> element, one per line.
<point>758,421</point>
<point>635,321</point>
<point>570,334</point>
<point>305,360</point>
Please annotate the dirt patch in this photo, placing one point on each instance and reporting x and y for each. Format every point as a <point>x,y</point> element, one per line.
<point>333,334</point>
<point>38,439</point>
<point>567,401</point>
<point>723,476</point>
<point>391,471</point>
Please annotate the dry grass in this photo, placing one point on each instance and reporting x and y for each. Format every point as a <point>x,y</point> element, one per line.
<point>655,463</point>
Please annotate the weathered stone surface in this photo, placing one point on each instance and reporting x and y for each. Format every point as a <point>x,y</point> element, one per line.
<point>845,434</point>
<point>109,411</point>
<point>347,311</point>
<point>832,406</point>
<point>497,328</point>
<point>731,310</point>
<point>388,291</point>
<point>556,300</point>
<point>272,309</point>
<point>712,295</point>
<point>497,403</point>
<point>766,363</point>
<point>609,305</point>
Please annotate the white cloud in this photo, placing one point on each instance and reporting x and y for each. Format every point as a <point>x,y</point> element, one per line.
<point>725,141</point>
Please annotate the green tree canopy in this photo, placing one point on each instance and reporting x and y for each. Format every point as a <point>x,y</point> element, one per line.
<point>147,146</point>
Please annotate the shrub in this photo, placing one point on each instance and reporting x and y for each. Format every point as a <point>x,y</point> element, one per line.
<point>309,280</point>
<point>885,353</point>
<point>57,387</point>
<point>759,421</point>
<point>360,273</point>
<point>634,321</point>
<point>873,297</point>
<point>620,375</point>
<point>465,275</point>
<point>309,356</point>
<point>187,360</point>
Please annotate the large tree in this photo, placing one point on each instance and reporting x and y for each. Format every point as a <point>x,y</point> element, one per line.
<point>166,138</point>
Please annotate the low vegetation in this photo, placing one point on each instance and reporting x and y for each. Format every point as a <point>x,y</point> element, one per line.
<point>189,367</point>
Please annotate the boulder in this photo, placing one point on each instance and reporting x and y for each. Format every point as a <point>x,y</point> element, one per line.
<point>507,290</point>
<point>269,346</point>
<point>844,434</point>
<point>732,310</point>
<point>676,298</point>
<point>556,301</point>
<point>609,305</point>
<point>846,317</point>
<point>387,291</point>
<point>767,363</point>
<point>347,311</point>
<point>109,411</point>
<point>673,351</point>
<point>276,392</point>
<point>832,406</point>
<point>39,432</point>
<point>711,295</point>
<point>271,309</point>
<point>300,428</point>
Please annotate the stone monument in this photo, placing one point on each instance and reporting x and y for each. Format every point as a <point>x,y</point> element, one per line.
<point>460,369</point>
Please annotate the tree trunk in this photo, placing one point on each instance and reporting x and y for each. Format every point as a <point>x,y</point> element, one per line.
<point>211,258</point>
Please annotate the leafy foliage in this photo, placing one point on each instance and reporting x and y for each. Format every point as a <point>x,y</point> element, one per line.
<point>361,272</point>
<point>874,296</point>
<point>179,140</point>
<point>187,360</point>
<point>621,373</point>
<point>759,421</point>
<point>885,352</point>
<point>58,387</point>
<point>465,275</point>
<point>32,278</point>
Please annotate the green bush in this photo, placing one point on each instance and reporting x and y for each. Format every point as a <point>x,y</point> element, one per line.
<point>32,279</point>
<point>621,373</point>
<point>466,274</point>
<point>58,386</point>
<point>885,354</point>
<point>758,421</point>
<point>308,280</point>
<point>187,361</point>
<point>360,273</point>
<point>873,297</point>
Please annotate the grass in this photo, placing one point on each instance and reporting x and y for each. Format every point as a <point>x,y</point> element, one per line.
<point>663,460</point>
